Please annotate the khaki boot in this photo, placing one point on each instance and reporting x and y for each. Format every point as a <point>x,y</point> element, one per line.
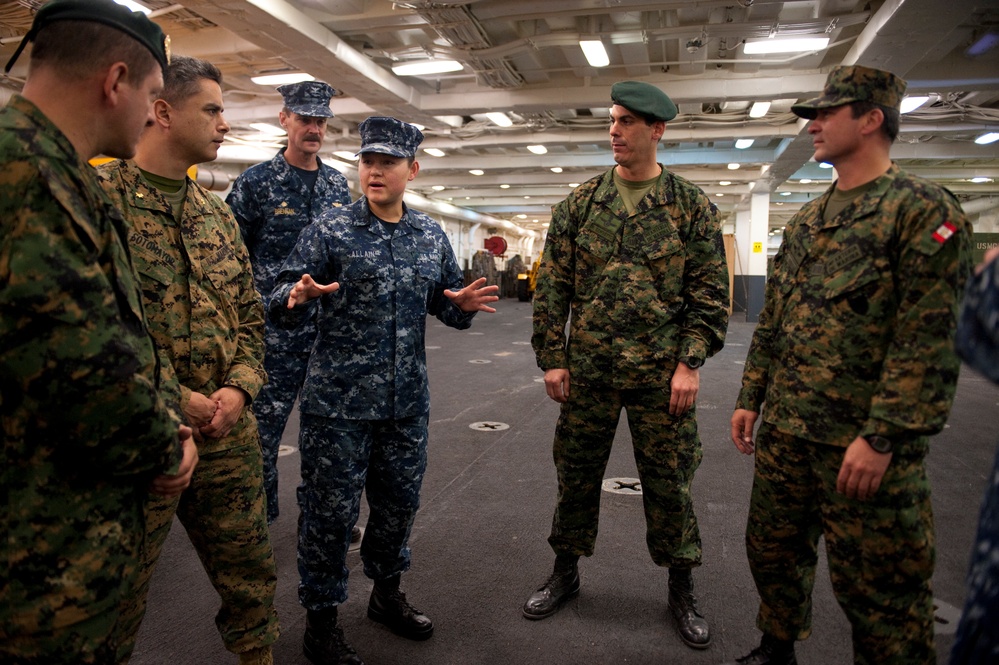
<point>260,656</point>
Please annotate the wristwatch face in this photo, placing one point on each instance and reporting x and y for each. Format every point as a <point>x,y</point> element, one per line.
<point>692,362</point>
<point>879,443</point>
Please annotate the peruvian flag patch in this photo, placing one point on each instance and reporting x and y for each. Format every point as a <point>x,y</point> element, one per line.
<point>943,232</point>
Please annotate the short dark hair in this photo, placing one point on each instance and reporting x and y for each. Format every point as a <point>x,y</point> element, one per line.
<point>890,125</point>
<point>181,78</point>
<point>80,48</point>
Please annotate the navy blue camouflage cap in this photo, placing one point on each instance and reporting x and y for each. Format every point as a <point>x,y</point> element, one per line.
<point>135,24</point>
<point>389,137</point>
<point>644,99</point>
<point>308,98</point>
<point>855,84</point>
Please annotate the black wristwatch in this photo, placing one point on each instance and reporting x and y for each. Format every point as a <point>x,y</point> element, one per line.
<point>692,362</point>
<point>879,443</point>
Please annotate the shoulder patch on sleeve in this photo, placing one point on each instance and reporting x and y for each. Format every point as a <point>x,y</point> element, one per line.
<point>944,232</point>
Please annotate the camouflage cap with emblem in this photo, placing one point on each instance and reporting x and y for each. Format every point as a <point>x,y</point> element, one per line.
<point>107,12</point>
<point>855,84</point>
<point>308,98</point>
<point>389,136</point>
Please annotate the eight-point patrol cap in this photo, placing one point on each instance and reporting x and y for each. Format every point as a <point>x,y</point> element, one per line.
<point>308,98</point>
<point>645,99</point>
<point>855,84</point>
<point>110,13</point>
<point>389,136</point>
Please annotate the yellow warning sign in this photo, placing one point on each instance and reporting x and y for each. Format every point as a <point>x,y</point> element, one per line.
<point>757,248</point>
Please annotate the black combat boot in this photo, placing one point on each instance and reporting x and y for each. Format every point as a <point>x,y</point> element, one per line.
<point>324,643</point>
<point>692,627</point>
<point>562,585</point>
<point>771,651</point>
<point>388,606</point>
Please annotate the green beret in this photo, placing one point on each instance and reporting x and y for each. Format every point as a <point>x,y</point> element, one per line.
<point>855,84</point>
<point>135,24</point>
<point>644,99</point>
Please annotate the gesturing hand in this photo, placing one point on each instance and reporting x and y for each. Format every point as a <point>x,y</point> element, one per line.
<point>473,298</point>
<point>306,289</point>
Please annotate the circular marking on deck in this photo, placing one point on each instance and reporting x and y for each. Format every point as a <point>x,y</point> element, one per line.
<point>489,426</point>
<point>353,547</point>
<point>286,450</point>
<point>631,486</point>
<point>945,617</point>
<point>480,361</point>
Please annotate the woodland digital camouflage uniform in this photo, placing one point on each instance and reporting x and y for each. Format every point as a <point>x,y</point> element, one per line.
<point>84,426</point>
<point>368,373</point>
<point>644,291</point>
<point>855,338</point>
<point>208,323</point>
<point>272,205</point>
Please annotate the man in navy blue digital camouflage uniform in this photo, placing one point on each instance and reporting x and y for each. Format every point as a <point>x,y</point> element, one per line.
<point>273,201</point>
<point>374,270</point>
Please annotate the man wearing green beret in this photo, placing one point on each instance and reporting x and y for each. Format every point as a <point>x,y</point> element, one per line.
<point>87,432</point>
<point>854,359</point>
<point>634,262</point>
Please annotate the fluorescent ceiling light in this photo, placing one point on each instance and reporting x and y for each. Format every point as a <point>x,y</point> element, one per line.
<point>345,154</point>
<point>267,128</point>
<point>980,179</point>
<point>436,152</point>
<point>504,186</point>
<point>795,45</point>
<point>574,184</point>
<point>785,193</point>
<point>426,67</point>
<point>805,181</point>
<point>759,109</point>
<point>537,149</point>
<point>499,118</point>
<point>556,169</point>
<point>912,103</point>
<point>733,166</point>
<point>282,79</point>
<point>438,188</point>
<point>595,52</point>
<point>477,172</point>
<point>742,144</point>
<point>986,139</point>
<point>134,6</point>
<point>983,44</point>
<point>825,165</point>
<point>724,183</point>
